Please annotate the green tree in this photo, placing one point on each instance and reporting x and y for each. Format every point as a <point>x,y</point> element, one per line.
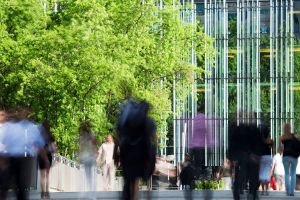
<point>80,59</point>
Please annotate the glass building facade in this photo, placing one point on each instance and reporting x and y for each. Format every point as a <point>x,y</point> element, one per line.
<point>254,73</point>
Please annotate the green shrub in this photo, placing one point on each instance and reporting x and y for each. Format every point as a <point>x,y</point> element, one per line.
<point>209,185</point>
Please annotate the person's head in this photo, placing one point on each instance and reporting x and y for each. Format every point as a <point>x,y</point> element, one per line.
<point>85,127</point>
<point>46,125</point>
<point>21,112</point>
<point>280,150</point>
<point>187,157</point>
<point>145,106</point>
<point>265,132</point>
<point>109,138</point>
<point>287,128</point>
<point>3,116</point>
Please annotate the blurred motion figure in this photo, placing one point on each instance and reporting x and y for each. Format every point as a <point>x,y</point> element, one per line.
<point>187,176</point>
<point>88,153</point>
<point>291,151</point>
<point>136,134</point>
<point>4,159</point>
<point>45,164</point>
<point>23,142</point>
<point>244,150</point>
<point>105,155</point>
<point>265,160</point>
<point>278,169</point>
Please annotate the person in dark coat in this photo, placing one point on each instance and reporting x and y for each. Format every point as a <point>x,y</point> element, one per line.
<point>187,176</point>
<point>244,151</point>
<point>238,153</point>
<point>187,173</point>
<point>136,134</point>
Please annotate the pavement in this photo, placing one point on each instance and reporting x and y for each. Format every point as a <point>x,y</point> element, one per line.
<point>165,195</point>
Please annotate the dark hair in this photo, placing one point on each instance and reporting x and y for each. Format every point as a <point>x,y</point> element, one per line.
<point>265,132</point>
<point>85,126</point>
<point>145,106</point>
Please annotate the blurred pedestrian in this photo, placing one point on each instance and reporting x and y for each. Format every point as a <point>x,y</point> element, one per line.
<point>238,154</point>
<point>105,156</point>
<point>187,176</point>
<point>187,173</point>
<point>88,154</point>
<point>4,159</point>
<point>137,143</point>
<point>291,152</point>
<point>225,173</point>
<point>298,175</point>
<point>278,170</point>
<point>244,152</point>
<point>22,141</point>
<point>265,160</point>
<point>255,150</point>
<point>50,148</point>
<point>3,118</point>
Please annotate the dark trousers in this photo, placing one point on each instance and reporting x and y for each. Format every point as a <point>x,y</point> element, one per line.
<point>253,170</point>
<point>5,176</point>
<point>240,175</point>
<point>129,188</point>
<point>19,173</point>
<point>246,171</point>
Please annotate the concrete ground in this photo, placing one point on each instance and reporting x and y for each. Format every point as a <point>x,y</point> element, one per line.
<point>165,195</point>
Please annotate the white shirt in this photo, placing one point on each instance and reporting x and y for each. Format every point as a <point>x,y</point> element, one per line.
<point>298,167</point>
<point>2,147</point>
<point>277,161</point>
<point>21,138</point>
<point>106,151</point>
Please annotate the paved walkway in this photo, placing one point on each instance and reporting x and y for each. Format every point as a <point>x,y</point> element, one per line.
<point>165,195</point>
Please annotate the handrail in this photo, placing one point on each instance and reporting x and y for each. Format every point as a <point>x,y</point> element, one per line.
<point>74,164</point>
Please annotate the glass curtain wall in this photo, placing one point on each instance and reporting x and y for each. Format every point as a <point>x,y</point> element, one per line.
<point>184,96</point>
<point>251,77</point>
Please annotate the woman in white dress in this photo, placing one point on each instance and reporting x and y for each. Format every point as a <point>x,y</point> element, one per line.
<point>265,161</point>
<point>278,170</point>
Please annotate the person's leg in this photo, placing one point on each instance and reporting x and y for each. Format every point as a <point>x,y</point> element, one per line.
<point>88,176</point>
<point>5,176</point>
<point>23,171</point>
<point>106,176</point>
<point>267,187</point>
<point>135,189</point>
<point>262,188</point>
<point>286,164</point>
<point>111,178</point>
<point>240,179</point>
<point>126,189</point>
<point>42,181</point>
<point>237,182</point>
<point>47,171</point>
<point>253,174</point>
<point>293,175</point>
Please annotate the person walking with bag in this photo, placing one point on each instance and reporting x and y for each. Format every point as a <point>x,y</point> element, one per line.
<point>278,170</point>
<point>291,152</point>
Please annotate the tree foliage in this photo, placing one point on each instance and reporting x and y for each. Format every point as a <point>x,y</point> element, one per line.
<point>80,59</point>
